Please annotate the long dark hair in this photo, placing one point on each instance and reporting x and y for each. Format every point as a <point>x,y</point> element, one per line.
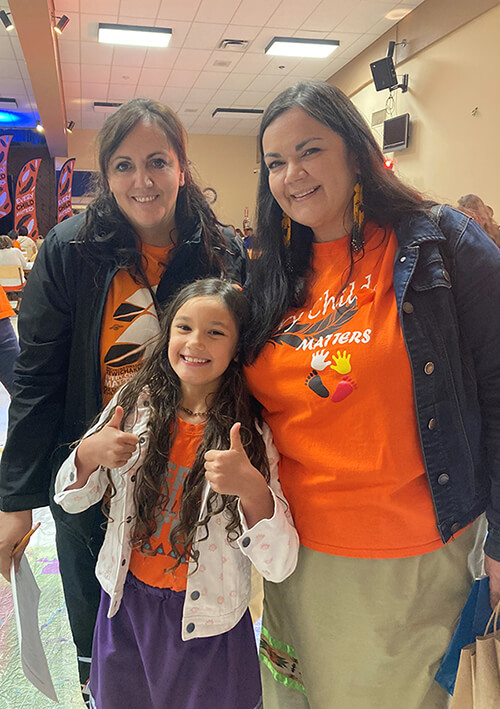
<point>231,403</point>
<point>279,278</point>
<point>106,230</point>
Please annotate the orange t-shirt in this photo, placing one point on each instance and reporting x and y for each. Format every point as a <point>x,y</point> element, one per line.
<point>6,310</point>
<point>156,570</point>
<point>337,390</point>
<point>130,323</point>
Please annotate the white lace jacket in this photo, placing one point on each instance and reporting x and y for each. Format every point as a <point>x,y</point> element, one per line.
<point>218,591</point>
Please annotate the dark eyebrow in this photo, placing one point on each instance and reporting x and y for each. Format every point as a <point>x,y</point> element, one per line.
<point>148,157</point>
<point>298,147</point>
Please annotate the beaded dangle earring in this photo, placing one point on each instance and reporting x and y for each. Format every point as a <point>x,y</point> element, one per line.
<point>286,228</point>
<point>357,241</point>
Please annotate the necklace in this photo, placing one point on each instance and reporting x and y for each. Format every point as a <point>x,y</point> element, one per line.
<point>194,413</point>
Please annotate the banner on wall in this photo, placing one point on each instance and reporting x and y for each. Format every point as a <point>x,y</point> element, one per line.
<point>25,199</point>
<point>5,203</point>
<point>64,187</point>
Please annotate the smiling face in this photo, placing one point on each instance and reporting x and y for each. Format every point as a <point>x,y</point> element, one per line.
<point>144,176</point>
<point>311,174</point>
<point>203,341</point>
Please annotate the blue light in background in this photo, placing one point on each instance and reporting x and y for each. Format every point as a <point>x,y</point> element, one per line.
<point>9,117</point>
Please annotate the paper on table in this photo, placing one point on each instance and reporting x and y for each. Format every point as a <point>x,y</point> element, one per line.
<point>26,596</point>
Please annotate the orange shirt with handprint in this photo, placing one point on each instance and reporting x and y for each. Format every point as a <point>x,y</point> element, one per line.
<point>337,390</point>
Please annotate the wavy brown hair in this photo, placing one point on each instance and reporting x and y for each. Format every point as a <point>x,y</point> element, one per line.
<point>231,403</point>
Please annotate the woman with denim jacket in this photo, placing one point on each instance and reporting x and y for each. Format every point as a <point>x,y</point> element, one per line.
<point>376,360</point>
<point>89,320</point>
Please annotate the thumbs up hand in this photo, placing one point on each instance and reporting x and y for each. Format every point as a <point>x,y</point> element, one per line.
<point>230,472</point>
<point>110,447</point>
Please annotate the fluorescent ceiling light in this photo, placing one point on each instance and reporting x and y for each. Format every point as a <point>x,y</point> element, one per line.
<point>105,106</point>
<point>299,47</point>
<point>133,35</point>
<point>8,104</point>
<point>237,112</point>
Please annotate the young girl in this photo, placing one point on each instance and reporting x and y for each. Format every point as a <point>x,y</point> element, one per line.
<point>191,484</point>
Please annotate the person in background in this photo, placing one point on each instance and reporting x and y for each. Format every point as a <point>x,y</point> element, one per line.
<point>249,238</point>
<point>377,361</point>
<point>240,234</point>
<point>27,243</point>
<point>13,236</point>
<point>9,347</point>
<point>482,213</point>
<point>11,256</point>
<point>195,503</point>
<point>89,320</point>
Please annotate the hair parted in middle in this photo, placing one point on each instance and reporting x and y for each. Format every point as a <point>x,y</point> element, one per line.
<point>280,276</point>
<point>231,403</point>
<point>106,229</point>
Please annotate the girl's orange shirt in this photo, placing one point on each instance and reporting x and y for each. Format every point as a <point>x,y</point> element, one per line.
<point>337,390</point>
<point>155,569</point>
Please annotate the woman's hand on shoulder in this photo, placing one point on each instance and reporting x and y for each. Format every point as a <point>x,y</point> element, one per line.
<point>110,447</point>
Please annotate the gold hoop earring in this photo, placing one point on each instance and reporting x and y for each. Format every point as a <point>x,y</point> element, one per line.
<point>286,228</point>
<point>357,240</point>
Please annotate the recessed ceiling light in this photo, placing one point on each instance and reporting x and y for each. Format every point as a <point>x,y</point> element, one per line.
<point>133,35</point>
<point>300,47</point>
<point>237,112</point>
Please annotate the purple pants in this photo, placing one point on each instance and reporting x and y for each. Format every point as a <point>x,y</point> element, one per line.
<point>139,660</point>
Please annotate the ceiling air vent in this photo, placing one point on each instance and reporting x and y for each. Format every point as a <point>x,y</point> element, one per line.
<point>234,45</point>
<point>106,106</point>
<point>190,110</point>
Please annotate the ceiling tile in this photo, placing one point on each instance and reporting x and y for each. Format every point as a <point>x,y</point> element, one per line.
<point>179,32</point>
<point>238,81</point>
<point>63,7</point>
<point>149,8</point>
<point>154,77</point>
<point>91,120</point>
<point>96,92</point>
<point>307,68</point>
<point>9,68</point>
<point>327,15</point>
<point>93,74</point>
<point>145,91</point>
<point>72,89</point>
<point>204,35</point>
<point>121,92</point>
<point>95,53</point>
<point>246,32</point>
<point>192,59</point>
<point>129,56</point>
<point>69,52</point>
<point>252,99</point>
<point>363,14</point>
<point>11,87</point>
<point>255,12</point>
<point>209,80</point>
<point>201,125</point>
<point>200,95</point>
<point>292,13</point>
<point>174,94</point>
<point>216,10</point>
<point>126,75</point>
<point>70,72</point>
<point>162,59</point>
<point>281,65</point>
<point>264,82</point>
<point>90,6</point>
<point>223,61</point>
<point>251,63</point>
<point>182,79</point>
<point>174,10</point>
<point>225,98</point>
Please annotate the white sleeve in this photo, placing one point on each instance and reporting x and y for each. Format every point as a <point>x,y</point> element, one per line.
<point>272,544</point>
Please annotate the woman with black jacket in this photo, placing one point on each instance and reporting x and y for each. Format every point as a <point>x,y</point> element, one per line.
<point>90,318</point>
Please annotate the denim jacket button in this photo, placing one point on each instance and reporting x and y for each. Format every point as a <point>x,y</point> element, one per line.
<point>455,527</point>
<point>402,259</point>
<point>429,368</point>
<point>408,307</point>
<point>443,479</point>
<point>431,424</point>
<point>446,275</point>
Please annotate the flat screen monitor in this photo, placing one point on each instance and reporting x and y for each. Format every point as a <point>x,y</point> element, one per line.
<point>384,74</point>
<point>396,133</point>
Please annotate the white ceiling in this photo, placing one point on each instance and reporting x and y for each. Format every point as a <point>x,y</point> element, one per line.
<point>192,75</point>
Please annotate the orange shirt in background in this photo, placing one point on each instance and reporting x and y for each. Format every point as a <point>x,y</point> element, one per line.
<point>338,395</point>
<point>156,570</point>
<point>130,323</point>
<point>16,244</point>
<point>6,310</point>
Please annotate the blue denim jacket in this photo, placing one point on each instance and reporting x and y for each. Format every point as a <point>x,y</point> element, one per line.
<point>447,286</point>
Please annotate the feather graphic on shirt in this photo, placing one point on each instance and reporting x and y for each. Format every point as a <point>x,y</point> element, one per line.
<point>140,336</point>
<point>296,333</point>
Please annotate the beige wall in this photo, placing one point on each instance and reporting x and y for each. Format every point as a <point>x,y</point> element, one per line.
<point>224,162</point>
<point>452,151</point>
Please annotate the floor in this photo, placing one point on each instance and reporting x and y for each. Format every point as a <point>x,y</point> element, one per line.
<point>15,690</point>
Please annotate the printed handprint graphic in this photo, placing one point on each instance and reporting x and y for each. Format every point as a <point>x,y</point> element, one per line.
<point>342,362</point>
<point>319,362</point>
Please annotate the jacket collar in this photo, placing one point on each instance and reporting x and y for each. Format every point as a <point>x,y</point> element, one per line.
<point>418,228</point>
